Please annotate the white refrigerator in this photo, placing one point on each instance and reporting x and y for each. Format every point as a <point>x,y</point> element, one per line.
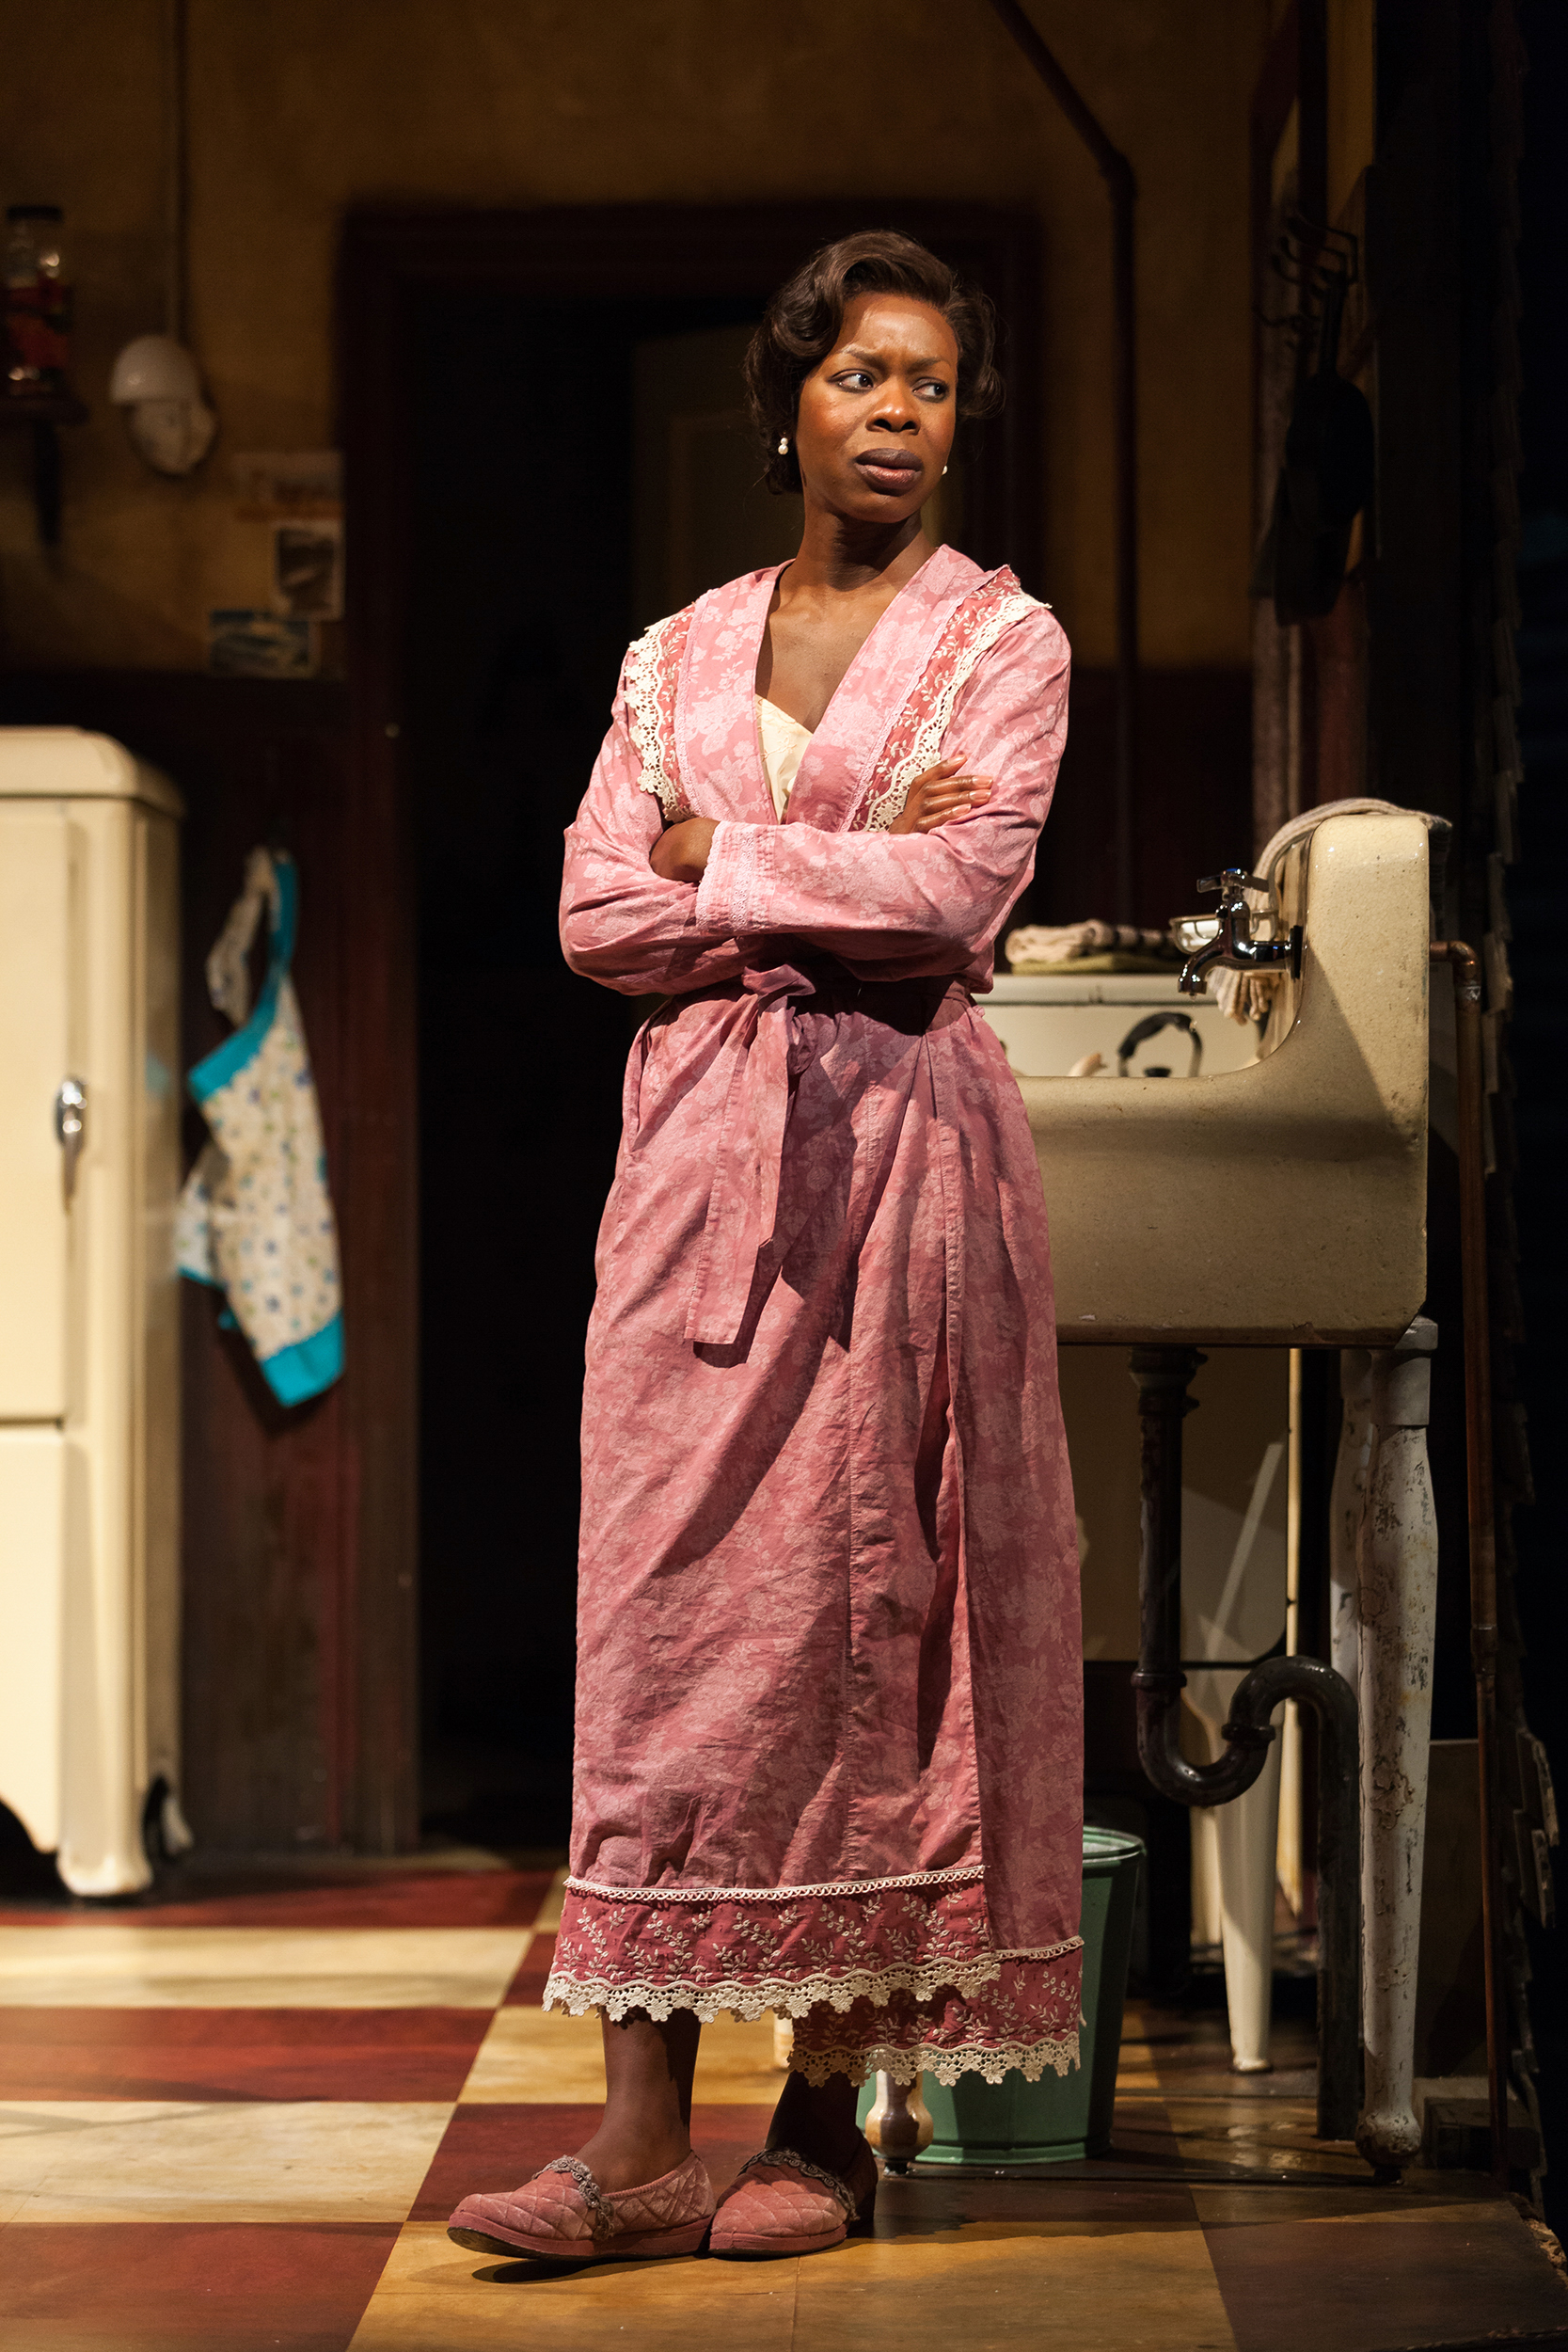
<point>89,1375</point>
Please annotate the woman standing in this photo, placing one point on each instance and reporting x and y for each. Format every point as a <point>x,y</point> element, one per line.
<point>828,1686</point>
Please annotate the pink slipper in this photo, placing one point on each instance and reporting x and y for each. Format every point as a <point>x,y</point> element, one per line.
<point>780,2204</point>
<point>564,2214</point>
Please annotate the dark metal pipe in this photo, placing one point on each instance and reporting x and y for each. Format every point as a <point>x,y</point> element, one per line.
<point>46,481</point>
<point>1484,1537</point>
<point>177,168</point>
<point>1123,190</point>
<point>1163,1374</point>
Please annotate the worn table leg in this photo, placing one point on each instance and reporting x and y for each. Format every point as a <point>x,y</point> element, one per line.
<point>1346,1503</point>
<point>899,2125</point>
<point>1397,1591</point>
<point>1246,1834</point>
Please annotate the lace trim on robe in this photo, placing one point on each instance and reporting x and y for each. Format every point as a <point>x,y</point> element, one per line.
<point>964,1875</point>
<point>786,1996</point>
<point>650,680</point>
<point>914,741</point>
<point>1028,2018</point>
<point>789,1949</point>
<point>989,2059</point>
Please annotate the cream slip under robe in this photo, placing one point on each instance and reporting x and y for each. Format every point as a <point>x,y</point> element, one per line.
<point>784,744</point>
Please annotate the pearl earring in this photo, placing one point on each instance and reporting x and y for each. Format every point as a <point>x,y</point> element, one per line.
<point>783,445</point>
<point>944,470</point>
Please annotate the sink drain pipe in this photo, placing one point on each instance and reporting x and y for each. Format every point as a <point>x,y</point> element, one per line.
<point>1483,1535</point>
<point>1162,1376</point>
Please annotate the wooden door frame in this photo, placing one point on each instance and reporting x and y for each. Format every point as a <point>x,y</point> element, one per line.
<point>388,257</point>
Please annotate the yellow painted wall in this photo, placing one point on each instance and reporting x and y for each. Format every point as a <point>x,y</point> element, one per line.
<point>1352,96</point>
<point>301,107</point>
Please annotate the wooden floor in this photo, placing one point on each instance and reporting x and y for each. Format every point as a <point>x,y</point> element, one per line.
<point>240,2121</point>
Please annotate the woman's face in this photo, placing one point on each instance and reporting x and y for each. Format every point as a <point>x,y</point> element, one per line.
<point>876,415</point>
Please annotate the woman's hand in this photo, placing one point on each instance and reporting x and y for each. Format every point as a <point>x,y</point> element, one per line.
<point>680,853</point>
<point>939,794</point>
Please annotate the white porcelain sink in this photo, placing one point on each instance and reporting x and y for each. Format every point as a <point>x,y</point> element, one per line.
<point>1050,1021</point>
<point>1283,1202</point>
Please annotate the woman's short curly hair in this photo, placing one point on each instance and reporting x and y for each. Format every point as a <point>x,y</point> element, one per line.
<point>802,323</point>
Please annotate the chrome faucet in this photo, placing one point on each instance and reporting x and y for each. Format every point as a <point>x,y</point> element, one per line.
<point>1233,943</point>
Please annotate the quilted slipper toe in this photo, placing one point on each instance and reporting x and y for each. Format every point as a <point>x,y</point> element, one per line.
<point>780,2204</point>
<point>562,2214</point>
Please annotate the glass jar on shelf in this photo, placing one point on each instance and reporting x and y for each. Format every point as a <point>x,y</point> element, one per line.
<point>37,303</point>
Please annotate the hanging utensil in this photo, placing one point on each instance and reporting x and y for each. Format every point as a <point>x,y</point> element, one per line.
<point>1326,478</point>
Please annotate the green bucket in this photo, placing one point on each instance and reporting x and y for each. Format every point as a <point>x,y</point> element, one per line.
<point>1062,2117</point>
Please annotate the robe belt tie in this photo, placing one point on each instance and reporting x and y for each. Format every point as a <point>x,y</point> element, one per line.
<point>744,1201</point>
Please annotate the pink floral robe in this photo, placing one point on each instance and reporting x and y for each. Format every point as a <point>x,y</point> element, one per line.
<point>829,1683</point>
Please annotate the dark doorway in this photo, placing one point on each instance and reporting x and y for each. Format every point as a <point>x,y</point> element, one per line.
<point>544,453</point>
<point>526,558</point>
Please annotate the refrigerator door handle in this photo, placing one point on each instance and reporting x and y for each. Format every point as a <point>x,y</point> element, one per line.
<point>70,1119</point>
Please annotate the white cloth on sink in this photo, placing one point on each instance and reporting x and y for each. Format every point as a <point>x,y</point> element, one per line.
<point>1248,995</point>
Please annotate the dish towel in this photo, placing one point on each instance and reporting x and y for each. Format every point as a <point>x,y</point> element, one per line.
<point>256,1217</point>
